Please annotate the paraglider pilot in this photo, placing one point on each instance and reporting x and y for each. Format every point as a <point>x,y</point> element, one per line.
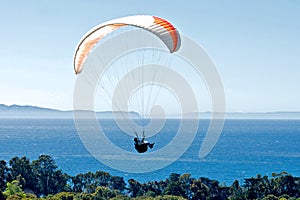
<point>141,145</point>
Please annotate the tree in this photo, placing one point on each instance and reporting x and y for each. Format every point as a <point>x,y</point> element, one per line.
<point>50,179</point>
<point>78,183</point>
<point>185,181</point>
<point>235,191</point>
<point>102,178</point>
<point>270,197</point>
<point>89,181</point>
<point>174,187</point>
<point>5,176</point>
<point>174,177</point>
<point>2,196</point>
<point>153,189</point>
<point>199,189</point>
<point>254,187</point>
<point>21,167</point>
<point>103,193</point>
<point>13,188</point>
<point>134,188</point>
<point>283,183</point>
<point>63,196</point>
<point>168,197</point>
<point>117,183</point>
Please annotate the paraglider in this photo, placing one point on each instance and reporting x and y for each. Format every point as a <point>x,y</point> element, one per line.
<point>161,28</point>
<point>141,145</point>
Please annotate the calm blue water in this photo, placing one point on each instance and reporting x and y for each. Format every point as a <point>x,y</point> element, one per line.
<point>245,148</point>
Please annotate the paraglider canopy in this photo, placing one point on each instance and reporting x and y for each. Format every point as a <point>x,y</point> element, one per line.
<point>143,75</point>
<point>158,26</point>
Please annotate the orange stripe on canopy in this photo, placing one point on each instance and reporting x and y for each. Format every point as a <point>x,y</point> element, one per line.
<point>88,44</point>
<point>170,28</point>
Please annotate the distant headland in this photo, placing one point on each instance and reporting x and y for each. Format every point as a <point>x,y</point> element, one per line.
<point>28,111</point>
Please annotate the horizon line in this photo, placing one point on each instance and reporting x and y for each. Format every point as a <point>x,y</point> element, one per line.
<point>229,112</point>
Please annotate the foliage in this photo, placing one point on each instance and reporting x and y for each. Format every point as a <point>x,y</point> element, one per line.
<point>42,179</point>
<point>50,180</point>
<point>4,174</point>
<point>21,170</point>
<point>13,189</point>
<point>168,197</point>
<point>1,195</point>
<point>61,196</point>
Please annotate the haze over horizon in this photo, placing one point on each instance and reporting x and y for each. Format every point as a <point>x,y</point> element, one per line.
<point>13,106</point>
<point>255,46</point>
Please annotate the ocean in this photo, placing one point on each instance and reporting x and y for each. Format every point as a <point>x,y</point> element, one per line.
<point>246,148</point>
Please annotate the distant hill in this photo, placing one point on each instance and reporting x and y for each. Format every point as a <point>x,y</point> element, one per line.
<point>17,111</point>
<point>249,115</point>
<point>264,115</point>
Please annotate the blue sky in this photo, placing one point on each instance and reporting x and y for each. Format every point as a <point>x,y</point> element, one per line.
<point>254,44</point>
